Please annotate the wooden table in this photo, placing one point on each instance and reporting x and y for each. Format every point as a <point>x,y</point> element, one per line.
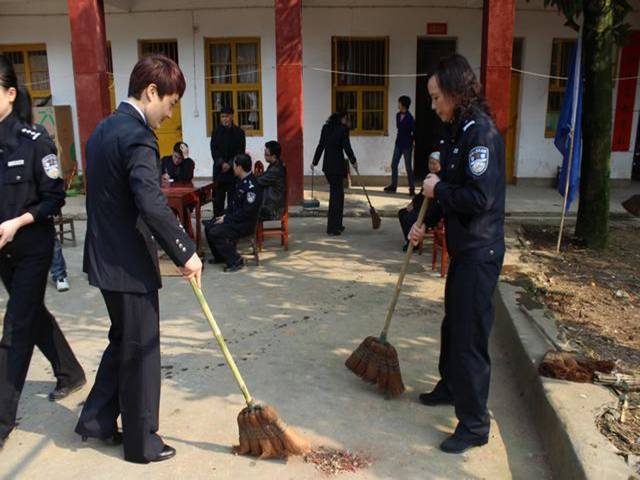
<point>183,197</point>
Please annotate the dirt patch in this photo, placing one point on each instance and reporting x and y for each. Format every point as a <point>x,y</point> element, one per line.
<point>595,300</point>
<point>332,462</point>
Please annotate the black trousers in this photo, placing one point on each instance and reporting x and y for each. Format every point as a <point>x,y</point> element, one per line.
<point>221,193</point>
<point>407,219</point>
<point>465,366</point>
<point>222,241</point>
<point>128,379</point>
<point>24,266</point>
<point>336,202</point>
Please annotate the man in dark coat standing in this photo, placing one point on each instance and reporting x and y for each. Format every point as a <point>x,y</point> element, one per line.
<point>125,207</point>
<point>227,141</point>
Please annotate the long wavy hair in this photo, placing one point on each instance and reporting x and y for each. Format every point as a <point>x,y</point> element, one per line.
<point>457,81</point>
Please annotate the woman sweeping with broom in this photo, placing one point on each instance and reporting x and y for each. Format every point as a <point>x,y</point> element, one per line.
<point>470,196</point>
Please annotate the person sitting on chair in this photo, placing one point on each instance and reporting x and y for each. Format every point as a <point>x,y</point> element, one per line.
<point>273,183</point>
<point>239,219</point>
<point>176,166</point>
<point>409,215</point>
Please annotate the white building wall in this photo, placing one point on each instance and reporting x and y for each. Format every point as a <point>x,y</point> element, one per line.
<point>536,156</point>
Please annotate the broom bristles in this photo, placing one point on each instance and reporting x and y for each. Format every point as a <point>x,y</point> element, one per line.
<point>375,218</point>
<point>263,434</point>
<point>377,362</point>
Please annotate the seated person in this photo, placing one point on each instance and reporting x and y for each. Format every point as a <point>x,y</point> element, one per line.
<point>239,219</point>
<point>273,182</point>
<point>409,215</point>
<point>178,166</point>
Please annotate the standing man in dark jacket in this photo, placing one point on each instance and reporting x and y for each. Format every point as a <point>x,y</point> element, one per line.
<point>227,141</point>
<point>334,142</point>
<point>273,183</point>
<point>470,196</point>
<point>124,208</point>
<point>404,145</point>
<point>240,218</point>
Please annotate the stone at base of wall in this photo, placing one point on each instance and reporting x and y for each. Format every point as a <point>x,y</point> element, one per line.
<point>564,412</point>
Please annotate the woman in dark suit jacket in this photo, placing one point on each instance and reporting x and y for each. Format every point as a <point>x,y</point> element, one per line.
<point>334,142</point>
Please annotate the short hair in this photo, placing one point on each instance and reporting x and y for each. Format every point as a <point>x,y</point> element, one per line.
<point>226,111</point>
<point>243,161</point>
<point>159,70</point>
<point>274,147</point>
<point>176,147</point>
<point>405,101</point>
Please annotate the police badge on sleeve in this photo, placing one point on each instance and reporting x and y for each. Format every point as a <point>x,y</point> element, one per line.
<point>51,166</point>
<point>478,160</point>
<point>251,197</point>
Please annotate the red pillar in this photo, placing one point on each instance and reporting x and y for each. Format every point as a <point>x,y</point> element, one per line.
<point>89,51</point>
<point>497,47</point>
<point>289,92</point>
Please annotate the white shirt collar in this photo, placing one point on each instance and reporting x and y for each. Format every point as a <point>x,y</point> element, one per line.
<point>144,119</point>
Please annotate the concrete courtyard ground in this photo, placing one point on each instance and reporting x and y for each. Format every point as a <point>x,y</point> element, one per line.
<point>290,323</point>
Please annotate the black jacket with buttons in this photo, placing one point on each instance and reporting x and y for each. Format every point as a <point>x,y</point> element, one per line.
<point>126,210</point>
<point>242,213</point>
<point>274,183</point>
<point>471,193</point>
<point>226,143</point>
<point>30,173</point>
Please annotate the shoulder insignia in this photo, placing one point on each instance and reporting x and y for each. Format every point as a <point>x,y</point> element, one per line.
<point>467,125</point>
<point>32,134</point>
<point>51,166</point>
<point>478,160</point>
<point>251,197</point>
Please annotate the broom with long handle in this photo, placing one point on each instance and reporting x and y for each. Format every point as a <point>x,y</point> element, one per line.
<point>375,218</point>
<point>376,360</point>
<point>262,433</point>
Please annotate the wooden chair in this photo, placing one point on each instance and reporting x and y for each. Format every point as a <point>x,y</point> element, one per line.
<point>440,242</point>
<point>283,230</point>
<point>253,242</point>
<point>65,226</point>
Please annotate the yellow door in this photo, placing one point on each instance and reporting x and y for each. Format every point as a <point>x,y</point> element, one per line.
<point>513,126</point>
<point>170,132</point>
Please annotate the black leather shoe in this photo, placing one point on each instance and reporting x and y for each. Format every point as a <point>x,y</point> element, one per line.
<point>390,189</point>
<point>436,397</point>
<point>63,392</point>
<point>112,441</point>
<point>459,444</point>
<point>334,234</point>
<point>234,268</point>
<point>166,454</point>
<point>2,442</point>
<point>342,228</point>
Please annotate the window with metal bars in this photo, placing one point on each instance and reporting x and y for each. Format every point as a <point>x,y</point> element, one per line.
<point>360,86</point>
<point>233,79</point>
<point>560,66</point>
<point>168,48</point>
<point>32,69</point>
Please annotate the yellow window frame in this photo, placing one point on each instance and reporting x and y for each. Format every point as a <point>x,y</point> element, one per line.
<point>360,89</point>
<point>556,86</point>
<point>25,49</point>
<point>234,87</point>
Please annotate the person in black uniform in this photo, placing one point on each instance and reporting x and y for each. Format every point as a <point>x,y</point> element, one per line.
<point>176,166</point>
<point>227,141</point>
<point>125,207</point>
<point>31,192</point>
<point>334,142</point>
<point>240,218</point>
<point>470,195</point>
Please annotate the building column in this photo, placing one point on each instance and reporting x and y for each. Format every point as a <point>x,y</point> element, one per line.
<point>497,48</point>
<point>289,93</point>
<point>89,52</point>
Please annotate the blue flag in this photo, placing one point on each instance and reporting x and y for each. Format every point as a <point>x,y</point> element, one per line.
<point>571,112</point>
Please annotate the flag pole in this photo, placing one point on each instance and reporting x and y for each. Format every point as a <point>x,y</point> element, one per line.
<point>574,112</point>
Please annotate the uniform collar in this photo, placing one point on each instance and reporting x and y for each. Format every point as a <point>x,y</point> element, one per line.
<point>137,109</point>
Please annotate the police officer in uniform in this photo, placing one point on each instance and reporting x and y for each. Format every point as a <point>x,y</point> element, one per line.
<point>126,214</point>
<point>470,196</point>
<point>239,220</point>
<point>31,192</point>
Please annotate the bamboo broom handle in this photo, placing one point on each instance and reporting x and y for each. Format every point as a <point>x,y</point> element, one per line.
<point>223,345</point>
<point>403,272</point>
<point>362,185</point>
